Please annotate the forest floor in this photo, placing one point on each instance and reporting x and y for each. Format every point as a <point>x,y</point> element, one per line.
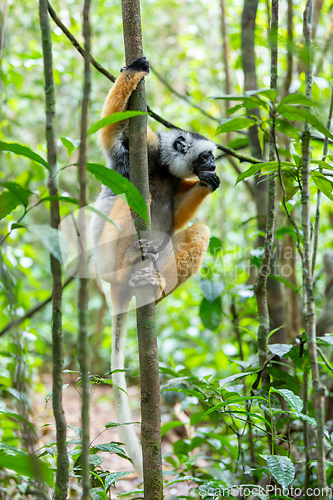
<point>102,412</point>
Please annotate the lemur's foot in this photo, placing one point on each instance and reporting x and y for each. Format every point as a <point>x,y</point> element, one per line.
<point>141,250</point>
<point>138,65</point>
<point>147,276</point>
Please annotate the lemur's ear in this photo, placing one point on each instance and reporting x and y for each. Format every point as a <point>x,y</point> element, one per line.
<point>180,144</point>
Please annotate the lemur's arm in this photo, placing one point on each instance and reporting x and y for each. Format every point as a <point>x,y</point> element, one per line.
<point>117,100</point>
<point>190,195</point>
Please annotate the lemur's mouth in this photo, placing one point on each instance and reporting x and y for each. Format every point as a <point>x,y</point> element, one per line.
<point>198,169</point>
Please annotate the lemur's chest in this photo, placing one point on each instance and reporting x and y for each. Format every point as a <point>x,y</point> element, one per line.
<point>162,193</point>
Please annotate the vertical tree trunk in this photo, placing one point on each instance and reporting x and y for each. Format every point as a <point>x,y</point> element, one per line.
<point>83,349</point>
<point>274,295</point>
<point>62,473</point>
<point>225,49</point>
<point>309,309</point>
<point>148,353</point>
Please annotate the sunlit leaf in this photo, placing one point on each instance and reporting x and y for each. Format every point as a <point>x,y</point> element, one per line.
<point>114,118</point>
<point>234,124</point>
<point>211,289</point>
<point>20,150</point>
<point>298,99</point>
<point>170,425</point>
<point>69,144</point>
<point>8,202</point>
<point>293,113</point>
<point>21,192</point>
<point>118,184</point>
<point>281,468</point>
<point>280,349</point>
<point>323,184</point>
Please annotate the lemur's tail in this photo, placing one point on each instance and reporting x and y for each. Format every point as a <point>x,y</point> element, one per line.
<point>123,412</point>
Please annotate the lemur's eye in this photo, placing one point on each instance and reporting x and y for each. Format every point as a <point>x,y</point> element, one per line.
<point>205,156</point>
<point>180,144</point>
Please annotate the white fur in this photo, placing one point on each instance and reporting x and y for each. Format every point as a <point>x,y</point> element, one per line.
<point>182,164</point>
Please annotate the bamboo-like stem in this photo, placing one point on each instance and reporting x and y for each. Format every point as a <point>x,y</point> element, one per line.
<point>83,349</point>
<point>290,38</point>
<point>62,474</point>
<point>148,352</point>
<point>317,221</point>
<point>261,285</point>
<point>309,309</point>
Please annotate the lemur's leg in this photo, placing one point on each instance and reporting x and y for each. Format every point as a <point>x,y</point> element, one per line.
<point>189,248</point>
<point>190,195</point>
<point>118,97</point>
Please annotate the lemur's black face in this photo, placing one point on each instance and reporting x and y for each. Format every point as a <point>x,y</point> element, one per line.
<point>205,163</point>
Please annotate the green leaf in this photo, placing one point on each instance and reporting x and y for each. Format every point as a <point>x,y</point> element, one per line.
<point>113,476</point>
<point>20,192</point>
<point>283,379</point>
<point>66,199</point>
<point>269,93</point>
<point>249,102</point>
<point>322,163</point>
<point>211,289</point>
<point>280,349</point>
<point>293,113</point>
<point>234,124</point>
<point>232,378</point>
<point>8,202</point>
<point>284,280</point>
<point>69,145</point>
<point>211,313</point>
<point>112,448</point>
<point>20,150</point>
<point>49,237</point>
<point>281,468</point>
<point>323,184</point>
<point>114,118</point>
<point>265,167</point>
<point>238,143</point>
<point>308,419</point>
<point>170,425</point>
<point>298,99</point>
<point>118,184</point>
<point>27,465</point>
<point>287,128</point>
<point>98,494</point>
<point>328,337</point>
<point>215,245</point>
<point>20,418</point>
<point>95,460</point>
<point>294,402</point>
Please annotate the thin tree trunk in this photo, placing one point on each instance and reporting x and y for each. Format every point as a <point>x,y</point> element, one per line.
<point>261,285</point>
<point>309,309</point>
<point>83,349</point>
<point>62,473</point>
<point>290,48</point>
<point>225,48</point>
<point>148,353</point>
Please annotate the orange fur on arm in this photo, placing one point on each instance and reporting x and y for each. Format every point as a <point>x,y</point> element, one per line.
<point>116,101</point>
<point>188,204</point>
